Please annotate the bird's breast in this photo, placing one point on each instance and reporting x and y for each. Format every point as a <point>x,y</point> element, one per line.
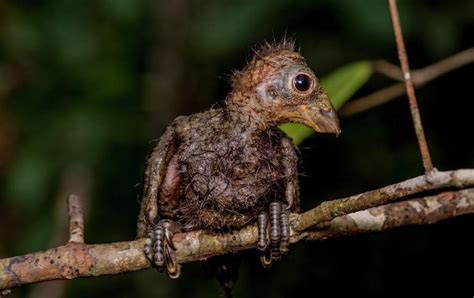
<point>232,177</point>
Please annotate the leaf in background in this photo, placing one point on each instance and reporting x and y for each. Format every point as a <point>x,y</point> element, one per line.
<point>340,85</point>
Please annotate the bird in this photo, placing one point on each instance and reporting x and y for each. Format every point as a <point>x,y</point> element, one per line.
<point>231,166</point>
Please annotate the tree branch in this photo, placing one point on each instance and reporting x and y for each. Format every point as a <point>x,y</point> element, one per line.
<point>434,180</point>
<point>410,89</point>
<point>428,210</point>
<point>428,73</point>
<point>420,77</point>
<point>76,219</point>
<point>330,219</point>
<point>74,179</point>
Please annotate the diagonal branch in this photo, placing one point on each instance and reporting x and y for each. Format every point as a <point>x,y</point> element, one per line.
<point>434,180</point>
<point>420,77</point>
<point>415,113</point>
<point>427,210</point>
<point>430,72</point>
<point>330,219</point>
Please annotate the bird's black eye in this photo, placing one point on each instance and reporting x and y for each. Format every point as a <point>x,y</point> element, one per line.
<point>302,82</point>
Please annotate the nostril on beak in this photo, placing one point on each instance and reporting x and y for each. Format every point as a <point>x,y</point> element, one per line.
<point>330,113</point>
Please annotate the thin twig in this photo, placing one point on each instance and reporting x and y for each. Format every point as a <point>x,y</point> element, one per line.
<point>426,74</point>
<point>420,77</point>
<point>76,219</point>
<point>389,70</point>
<point>415,113</point>
<point>74,179</point>
<point>75,260</point>
<point>372,100</point>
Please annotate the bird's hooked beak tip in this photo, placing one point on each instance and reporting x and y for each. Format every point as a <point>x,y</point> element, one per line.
<point>323,121</point>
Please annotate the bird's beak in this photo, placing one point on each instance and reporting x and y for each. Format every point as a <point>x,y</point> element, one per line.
<point>318,114</point>
<point>323,120</point>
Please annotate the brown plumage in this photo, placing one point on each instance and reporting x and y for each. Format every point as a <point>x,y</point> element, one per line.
<point>219,169</point>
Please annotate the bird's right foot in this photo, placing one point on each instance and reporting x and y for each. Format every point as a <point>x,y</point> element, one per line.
<point>159,247</point>
<point>276,223</point>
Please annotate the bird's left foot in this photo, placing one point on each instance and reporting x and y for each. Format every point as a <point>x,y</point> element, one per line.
<point>275,222</point>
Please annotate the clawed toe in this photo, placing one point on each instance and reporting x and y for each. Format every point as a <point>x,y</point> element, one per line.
<point>273,233</point>
<point>159,247</point>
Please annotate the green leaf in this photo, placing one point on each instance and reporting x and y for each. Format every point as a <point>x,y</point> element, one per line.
<point>340,85</point>
<point>346,81</point>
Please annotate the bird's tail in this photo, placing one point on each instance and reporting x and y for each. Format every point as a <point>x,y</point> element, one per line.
<point>226,269</point>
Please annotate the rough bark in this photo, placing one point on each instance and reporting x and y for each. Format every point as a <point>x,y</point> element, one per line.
<point>81,260</point>
<point>432,181</point>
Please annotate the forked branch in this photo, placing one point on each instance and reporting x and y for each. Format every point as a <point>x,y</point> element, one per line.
<point>375,210</point>
<point>356,214</point>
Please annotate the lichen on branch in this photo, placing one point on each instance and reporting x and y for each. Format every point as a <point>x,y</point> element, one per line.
<point>366,212</point>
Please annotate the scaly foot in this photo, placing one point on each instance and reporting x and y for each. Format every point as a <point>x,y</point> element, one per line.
<point>159,247</point>
<point>276,243</point>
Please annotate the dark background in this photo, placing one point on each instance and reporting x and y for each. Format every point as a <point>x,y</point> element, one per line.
<point>85,86</point>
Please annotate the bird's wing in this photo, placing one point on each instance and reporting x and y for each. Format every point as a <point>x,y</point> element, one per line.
<point>155,172</point>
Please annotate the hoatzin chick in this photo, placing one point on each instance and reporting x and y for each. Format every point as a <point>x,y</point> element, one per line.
<point>231,166</point>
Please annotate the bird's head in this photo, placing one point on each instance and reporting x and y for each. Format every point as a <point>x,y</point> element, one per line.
<point>278,87</point>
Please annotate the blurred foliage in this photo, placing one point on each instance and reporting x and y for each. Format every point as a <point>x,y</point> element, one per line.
<point>98,80</point>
